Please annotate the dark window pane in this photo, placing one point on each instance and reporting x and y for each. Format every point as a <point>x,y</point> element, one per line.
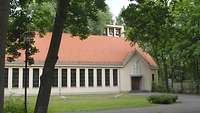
<point>55,78</point>
<point>15,78</point>
<point>91,77</point>
<point>27,76</point>
<point>99,77</point>
<point>115,77</point>
<point>111,31</point>
<point>107,77</point>
<point>35,77</point>
<point>64,77</point>
<point>6,78</point>
<point>73,77</point>
<point>118,32</point>
<point>82,77</point>
<point>105,32</point>
<point>153,77</point>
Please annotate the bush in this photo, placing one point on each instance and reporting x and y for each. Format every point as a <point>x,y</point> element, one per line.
<point>162,99</point>
<point>13,105</point>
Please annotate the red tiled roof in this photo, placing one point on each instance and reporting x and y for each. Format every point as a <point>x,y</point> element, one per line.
<point>93,50</point>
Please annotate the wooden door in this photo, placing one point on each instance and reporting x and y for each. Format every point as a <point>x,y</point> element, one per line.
<point>135,83</point>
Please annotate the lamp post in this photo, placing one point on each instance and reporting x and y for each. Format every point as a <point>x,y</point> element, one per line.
<point>26,42</point>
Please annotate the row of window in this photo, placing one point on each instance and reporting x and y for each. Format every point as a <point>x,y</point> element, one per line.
<point>112,31</point>
<point>15,77</point>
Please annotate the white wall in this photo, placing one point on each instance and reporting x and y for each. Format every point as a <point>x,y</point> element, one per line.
<point>127,72</point>
<point>124,79</point>
<point>65,90</point>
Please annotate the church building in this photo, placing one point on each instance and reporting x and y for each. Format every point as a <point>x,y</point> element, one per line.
<point>98,64</point>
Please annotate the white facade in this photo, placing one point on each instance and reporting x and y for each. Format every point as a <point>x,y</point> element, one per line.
<point>134,67</point>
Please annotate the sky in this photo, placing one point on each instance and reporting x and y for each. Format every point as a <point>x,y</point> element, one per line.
<point>116,5</point>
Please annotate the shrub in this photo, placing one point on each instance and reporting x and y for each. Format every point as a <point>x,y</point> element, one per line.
<point>162,99</point>
<point>13,105</point>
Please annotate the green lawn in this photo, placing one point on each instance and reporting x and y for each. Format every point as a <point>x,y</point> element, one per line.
<point>92,102</point>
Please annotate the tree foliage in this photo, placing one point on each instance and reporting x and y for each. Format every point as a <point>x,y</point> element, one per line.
<point>25,19</point>
<point>165,29</point>
<point>103,18</point>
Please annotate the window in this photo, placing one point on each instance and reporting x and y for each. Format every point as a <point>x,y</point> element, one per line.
<point>55,78</point>
<point>105,32</point>
<point>27,76</point>
<point>118,32</point>
<point>73,77</point>
<point>107,77</point>
<point>99,77</point>
<point>82,77</point>
<point>115,77</point>
<point>64,77</point>
<point>6,78</point>
<point>90,77</point>
<point>153,77</point>
<point>111,31</point>
<point>137,67</point>
<point>15,78</point>
<point>35,78</point>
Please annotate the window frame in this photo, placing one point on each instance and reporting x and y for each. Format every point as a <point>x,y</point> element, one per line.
<point>90,77</point>
<point>36,77</point>
<point>115,77</point>
<point>55,78</point>
<point>73,78</point>
<point>64,78</point>
<point>6,77</point>
<point>107,77</point>
<point>15,78</point>
<point>82,77</point>
<point>23,81</point>
<point>99,77</point>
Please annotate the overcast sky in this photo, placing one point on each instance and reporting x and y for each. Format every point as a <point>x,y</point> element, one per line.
<point>116,5</point>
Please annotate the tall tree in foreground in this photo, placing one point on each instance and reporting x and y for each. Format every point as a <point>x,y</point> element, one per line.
<point>52,57</point>
<point>76,14</point>
<point>150,24</point>
<point>4,11</point>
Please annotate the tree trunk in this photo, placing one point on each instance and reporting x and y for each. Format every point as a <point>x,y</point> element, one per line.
<point>51,59</point>
<point>197,74</point>
<point>166,75</point>
<point>4,7</point>
<point>182,87</point>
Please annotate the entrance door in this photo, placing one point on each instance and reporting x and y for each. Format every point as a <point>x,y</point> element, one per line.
<point>135,83</point>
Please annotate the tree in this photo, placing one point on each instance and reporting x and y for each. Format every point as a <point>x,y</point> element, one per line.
<point>76,14</point>
<point>24,21</point>
<point>119,18</point>
<point>187,18</point>
<point>103,18</point>
<point>150,23</point>
<point>4,11</point>
<point>169,31</point>
<point>24,18</point>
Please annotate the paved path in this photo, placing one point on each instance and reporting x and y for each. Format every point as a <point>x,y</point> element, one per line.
<point>188,104</point>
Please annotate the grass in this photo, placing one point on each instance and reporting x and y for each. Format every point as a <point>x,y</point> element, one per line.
<point>92,102</point>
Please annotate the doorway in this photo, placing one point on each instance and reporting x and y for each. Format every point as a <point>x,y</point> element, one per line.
<point>135,83</point>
